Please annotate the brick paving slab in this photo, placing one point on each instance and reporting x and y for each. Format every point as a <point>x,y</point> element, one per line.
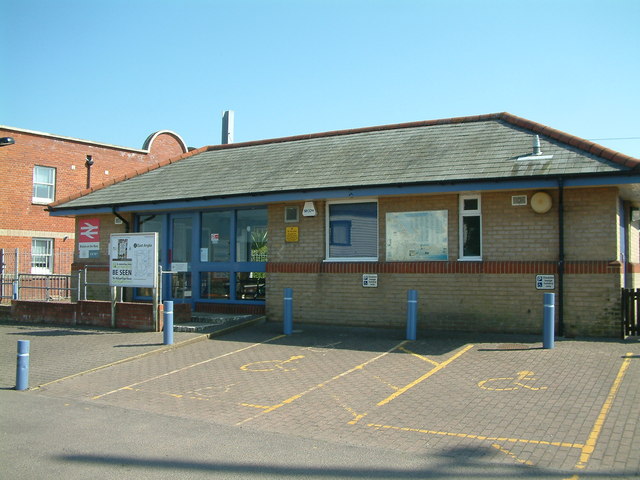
<point>571,411</point>
<point>57,352</point>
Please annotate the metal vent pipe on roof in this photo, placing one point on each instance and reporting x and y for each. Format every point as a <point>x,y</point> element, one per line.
<point>536,145</point>
<point>227,127</point>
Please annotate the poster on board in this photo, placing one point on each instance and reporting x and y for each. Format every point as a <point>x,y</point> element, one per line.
<point>413,236</point>
<point>133,260</point>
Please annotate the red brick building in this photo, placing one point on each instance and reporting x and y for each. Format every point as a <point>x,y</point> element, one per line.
<point>38,168</point>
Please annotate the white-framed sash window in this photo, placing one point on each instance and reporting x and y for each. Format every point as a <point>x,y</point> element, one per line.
<point>470,227</point>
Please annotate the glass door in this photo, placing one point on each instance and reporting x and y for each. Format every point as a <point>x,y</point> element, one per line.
<point>180,257</point>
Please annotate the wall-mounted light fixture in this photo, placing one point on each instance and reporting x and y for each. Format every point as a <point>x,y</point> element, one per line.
<point>4,141</point>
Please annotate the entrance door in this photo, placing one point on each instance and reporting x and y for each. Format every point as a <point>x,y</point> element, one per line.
<point>180,257</point>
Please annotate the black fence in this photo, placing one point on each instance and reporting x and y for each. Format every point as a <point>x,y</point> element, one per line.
<point>630,312</point>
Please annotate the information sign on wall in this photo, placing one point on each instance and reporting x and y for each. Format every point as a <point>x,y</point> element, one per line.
<point>291,234</point>
<point>417,235</point>
<point>133,260</point>
<point>545,282</point>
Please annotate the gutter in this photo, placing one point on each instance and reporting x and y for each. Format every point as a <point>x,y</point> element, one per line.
<point>127,226</point>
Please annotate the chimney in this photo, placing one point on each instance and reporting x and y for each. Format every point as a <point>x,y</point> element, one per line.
<point>227,127</point>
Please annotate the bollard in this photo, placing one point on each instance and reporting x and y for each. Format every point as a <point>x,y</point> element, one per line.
<point>548,331</point>
<point>22,367</point>
<point>412,314</point>
<point>168,322</point>
<point>288,311</point>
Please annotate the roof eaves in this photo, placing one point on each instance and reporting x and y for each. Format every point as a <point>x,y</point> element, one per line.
<point>572,140</point>
<point>126,176</point>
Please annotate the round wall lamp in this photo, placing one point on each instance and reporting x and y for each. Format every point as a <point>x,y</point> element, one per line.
<point>541,202</point>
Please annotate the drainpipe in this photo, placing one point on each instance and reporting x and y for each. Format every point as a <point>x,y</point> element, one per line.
<point>560,257</point>
<point>124,220</point>
<point>88,164</point>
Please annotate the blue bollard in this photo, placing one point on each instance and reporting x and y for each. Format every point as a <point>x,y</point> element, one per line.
<point>412,314</point>
<point>22,367</point>
<point>548,331</point>
<point>168,322</point>
<point>288,311</point>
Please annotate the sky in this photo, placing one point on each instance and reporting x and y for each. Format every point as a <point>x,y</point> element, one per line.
<point>115,71</point>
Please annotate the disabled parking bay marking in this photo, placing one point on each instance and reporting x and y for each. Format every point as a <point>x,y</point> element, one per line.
<point>505,384</point>
<point>323,384</point>
<point>178,370</point>
<point>586,449</point>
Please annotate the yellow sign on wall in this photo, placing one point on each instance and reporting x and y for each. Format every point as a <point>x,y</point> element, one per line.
<point>291,234</point>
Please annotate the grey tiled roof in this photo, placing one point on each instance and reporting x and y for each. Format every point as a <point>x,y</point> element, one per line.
<point>483,149</point>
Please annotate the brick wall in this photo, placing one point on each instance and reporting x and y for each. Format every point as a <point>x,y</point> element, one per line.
<point>136,316</point>
<point>498,294</point>
<point>21,220</point>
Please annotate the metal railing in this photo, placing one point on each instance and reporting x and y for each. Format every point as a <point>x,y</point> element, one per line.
<point>47,287</point>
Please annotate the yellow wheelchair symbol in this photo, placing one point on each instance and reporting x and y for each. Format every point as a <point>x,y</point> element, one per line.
<point>271,365</point>
<point>505,384</point>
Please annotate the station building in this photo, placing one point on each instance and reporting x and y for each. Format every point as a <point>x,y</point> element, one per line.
<point>480,215</point>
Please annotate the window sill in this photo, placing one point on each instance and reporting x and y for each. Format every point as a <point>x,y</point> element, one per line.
<point>352,259</point>
<point>470,259</point>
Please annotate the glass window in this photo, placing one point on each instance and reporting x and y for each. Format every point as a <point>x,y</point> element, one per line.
<point>470,228</point>
<point>215,237</point>
<point>251,235</point>
<point>353,231</point>
<point>42,255</point>
<point>44,181</point>
<point>250,285</point>
<point>214,285</point>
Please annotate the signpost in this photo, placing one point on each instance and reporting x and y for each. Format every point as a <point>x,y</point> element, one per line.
<point>133,262</point>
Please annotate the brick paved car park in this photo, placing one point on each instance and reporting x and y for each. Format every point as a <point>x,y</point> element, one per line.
<point>568,412</point>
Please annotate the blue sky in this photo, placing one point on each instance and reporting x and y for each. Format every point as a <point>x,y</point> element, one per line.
<point>115,71</point>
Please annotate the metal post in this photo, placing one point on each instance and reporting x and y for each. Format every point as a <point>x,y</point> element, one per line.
<point>84,285</point>
<point>412,314</point>
<point>168,322</point>
<point>288,311</point>
<point>22,366</point>
<point>548,333</point>
<point>114,299</point>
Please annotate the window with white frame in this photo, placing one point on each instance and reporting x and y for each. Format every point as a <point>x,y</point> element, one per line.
<point>352,231</point>
<point>470,227</point>
<point>41,255</point>
<point>44,184</point>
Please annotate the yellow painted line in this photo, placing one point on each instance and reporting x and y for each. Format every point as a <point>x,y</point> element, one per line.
<point>421,357</point>
<point>187,367</point>
<point>323,384</point>
<point>251,405</point>
<point>478,437</point>
<point>590,446</point>
<point>128,359</point>
<point>424,377</point>
<point>510,454</point>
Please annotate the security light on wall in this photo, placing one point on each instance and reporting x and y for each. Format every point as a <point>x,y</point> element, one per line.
<point>4,141</point>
